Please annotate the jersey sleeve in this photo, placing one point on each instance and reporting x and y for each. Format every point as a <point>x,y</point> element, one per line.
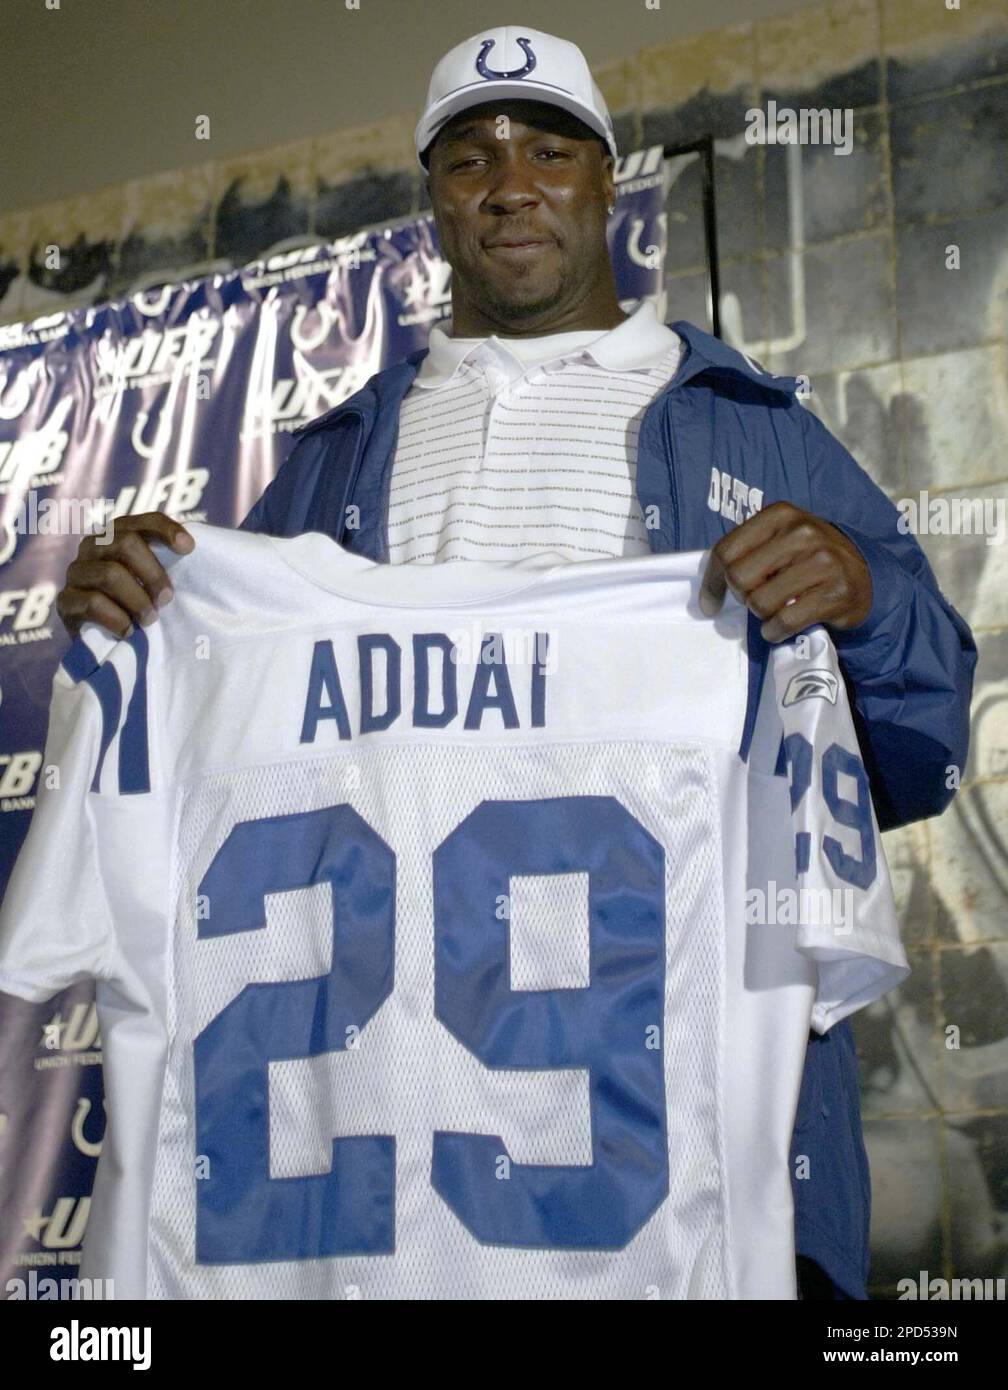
<point>846,914</point>
<point>56,924</point>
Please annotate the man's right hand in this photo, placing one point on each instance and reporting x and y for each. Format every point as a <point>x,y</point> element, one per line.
<point>113,583</point>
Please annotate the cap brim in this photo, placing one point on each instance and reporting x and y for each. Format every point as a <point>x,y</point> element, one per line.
<point>482,93</point>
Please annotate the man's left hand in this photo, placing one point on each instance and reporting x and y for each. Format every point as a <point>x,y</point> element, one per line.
<point>791,569</point>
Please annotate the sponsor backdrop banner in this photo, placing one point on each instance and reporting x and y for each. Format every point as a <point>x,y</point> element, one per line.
<point>181,400</point>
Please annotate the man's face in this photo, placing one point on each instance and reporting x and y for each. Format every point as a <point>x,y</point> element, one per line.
<point>546,182</point>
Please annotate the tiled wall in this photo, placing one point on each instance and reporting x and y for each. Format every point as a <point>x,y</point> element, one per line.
<point>908,364</point>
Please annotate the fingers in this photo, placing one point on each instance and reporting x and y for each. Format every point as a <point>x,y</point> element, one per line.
<point>751,566</point>
<point>116,581</point>
<point>815,571</point>
<point>815,605</point>
<point>713,586</point>
<point>79,606</point>
<point>158,526</point>
<point>89,581</point>
<point>746,555</point>
<point>756,533</point>
<point>131,551</point>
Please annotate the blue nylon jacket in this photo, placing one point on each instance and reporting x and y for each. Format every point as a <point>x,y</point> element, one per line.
<point>720,440</point>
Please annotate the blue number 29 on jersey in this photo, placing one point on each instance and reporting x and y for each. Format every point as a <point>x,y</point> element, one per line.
<point>243,1215</point>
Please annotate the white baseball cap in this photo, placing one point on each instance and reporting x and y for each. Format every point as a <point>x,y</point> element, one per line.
<point>517,63</point>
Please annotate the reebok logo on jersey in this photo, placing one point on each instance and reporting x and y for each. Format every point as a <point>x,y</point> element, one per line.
<point>812,685</point>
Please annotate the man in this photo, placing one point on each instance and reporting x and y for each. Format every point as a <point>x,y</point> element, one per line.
<point>544,423</point>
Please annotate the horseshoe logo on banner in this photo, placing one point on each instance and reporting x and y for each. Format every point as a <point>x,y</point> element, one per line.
<point>81,1143</point>
<point>159,305</point>
<point>308,342</point>
<point>162,433</point>
<point>651,256</point>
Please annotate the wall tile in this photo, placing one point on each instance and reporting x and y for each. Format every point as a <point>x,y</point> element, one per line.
<point>421,201</point>
<point>687,245</point>
<point>829,55</point>
<point>13,264</point>
<point>898,1048</point>
<point>988,753</point>
<point>737,204</point>
<point>974,995</point>
<point>363,202</point>
<point>848,319</point>
<point>86,230</point>
<point>366,176</point>
<point>906,1197</point>
<point>865,410</point>
<point>262,198</point>
<point>686,297</point>
<point>968,847</point>
<point>738,198</point>
<point>928,47</point>
<point>625,131</point>
<point>619,82</point>
<point>12,300</point>
<point>702,85</point>
<point>743,307</point>
<point>972,573</point>
<point>991,1142</point>
<point>941,310</point>
<point>950,153</point>
<point>167,224</point>
<point>883,1293</point>
<point>908,854</point>
<point>384,147</point>
<point>977,1167</point>
<point>835,193</point>
<point>957,418</point>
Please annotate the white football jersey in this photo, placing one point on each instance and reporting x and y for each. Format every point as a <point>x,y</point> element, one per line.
<point>458,929</point>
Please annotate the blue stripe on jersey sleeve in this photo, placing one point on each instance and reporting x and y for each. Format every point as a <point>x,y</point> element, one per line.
<point>134,757</point>
<point>81,664</point>
<point>758,651</point>
<point>79,660</point>
<point>104,681</point>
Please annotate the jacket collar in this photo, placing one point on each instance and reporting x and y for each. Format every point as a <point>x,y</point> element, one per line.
<point>638,341</point>
<point>707,353</point>
<point>704,353</point>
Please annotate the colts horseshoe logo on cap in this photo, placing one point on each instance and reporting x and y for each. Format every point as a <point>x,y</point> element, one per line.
<point>489,73</point>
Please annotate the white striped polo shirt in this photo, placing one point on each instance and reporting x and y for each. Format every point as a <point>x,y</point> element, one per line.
<point>526,448</point>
